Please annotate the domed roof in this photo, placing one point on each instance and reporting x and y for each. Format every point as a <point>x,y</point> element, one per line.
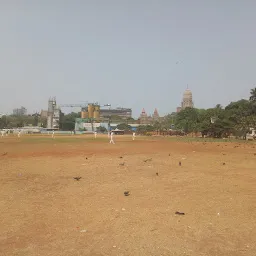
<point>187,94</point>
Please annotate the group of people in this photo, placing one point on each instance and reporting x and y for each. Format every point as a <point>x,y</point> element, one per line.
<point>111,136</point>
<point>6,133</point>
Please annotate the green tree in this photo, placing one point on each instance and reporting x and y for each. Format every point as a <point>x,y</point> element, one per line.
<point>253,94</point>
<point>101,129</point>
<point>124,127</point>
<point>242,113</point>
<point>36,119</point>
<point>3,122</point>
<point>67,122</point>
<point>43,122</point>
<point>143,129</point>
<point>187,120</point>
<point>130,120</point>
<point>158,126</point>
<point>238,109</point>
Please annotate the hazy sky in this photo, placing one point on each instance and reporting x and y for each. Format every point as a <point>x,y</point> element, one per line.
<point>130,53</point>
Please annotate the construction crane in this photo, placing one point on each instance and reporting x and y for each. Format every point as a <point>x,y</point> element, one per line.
<point>82,105</point>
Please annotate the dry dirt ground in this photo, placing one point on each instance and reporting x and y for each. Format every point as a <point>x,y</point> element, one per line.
<point>44,211</point>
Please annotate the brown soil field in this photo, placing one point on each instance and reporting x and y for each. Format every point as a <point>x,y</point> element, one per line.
<point>45,211</point>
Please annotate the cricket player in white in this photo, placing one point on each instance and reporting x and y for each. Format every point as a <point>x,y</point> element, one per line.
<point>95,135</point>
<point>133,136</point>
<point>18,134</point>
<point>53,134</point>
<point>111,138</point>
<point>2,134</point>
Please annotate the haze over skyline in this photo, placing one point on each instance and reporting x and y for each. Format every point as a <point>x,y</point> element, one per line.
<point>137,54</point>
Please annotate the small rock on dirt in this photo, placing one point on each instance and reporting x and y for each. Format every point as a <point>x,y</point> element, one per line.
<point>126,193</point>
<point>180,213</point>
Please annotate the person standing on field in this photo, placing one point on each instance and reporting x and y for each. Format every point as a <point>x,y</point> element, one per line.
<point>95,135</point>
<point>111,138</point>
<point>133,136</point>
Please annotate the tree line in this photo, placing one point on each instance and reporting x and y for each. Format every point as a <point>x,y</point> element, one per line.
<point>13,121</point>
<point>236,119</point>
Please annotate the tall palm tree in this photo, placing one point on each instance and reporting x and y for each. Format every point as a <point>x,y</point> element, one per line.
<point>253,94</point>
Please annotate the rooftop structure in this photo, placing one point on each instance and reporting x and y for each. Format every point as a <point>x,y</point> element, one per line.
<point>143,117</point>
<point>187,101</point>
<point>121,112</point>
<point>44,114</point>
<point>148,119</point>
<point>155,116</point>
<point>53,117</point>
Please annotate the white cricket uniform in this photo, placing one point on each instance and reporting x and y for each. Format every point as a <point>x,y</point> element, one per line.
<point>133,136</point>
<point>111,138</point>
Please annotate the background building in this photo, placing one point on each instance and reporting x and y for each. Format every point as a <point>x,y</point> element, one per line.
<point>155,116</point>
<point>143,117</point>
<point>20,111</point>
<point>44,114</point>
<point>187,101</point>
<point>148,119</point>
<point>53,115</point>
<point>123,113</point>
<point>92,115</point>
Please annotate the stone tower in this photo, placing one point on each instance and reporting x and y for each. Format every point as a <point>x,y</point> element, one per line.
<point>143,117</point>
<point>187,101</point>
<point>155,115</point>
